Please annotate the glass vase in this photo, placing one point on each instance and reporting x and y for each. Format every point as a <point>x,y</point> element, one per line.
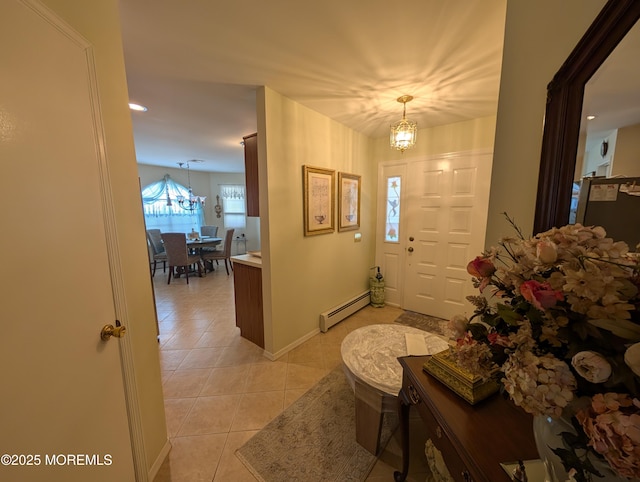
<point>546,432</point>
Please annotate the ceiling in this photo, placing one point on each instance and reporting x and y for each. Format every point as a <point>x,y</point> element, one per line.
<point>196,65</point>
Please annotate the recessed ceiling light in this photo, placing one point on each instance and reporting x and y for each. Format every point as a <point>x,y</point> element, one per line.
<point>137,107</point>
<point>591,117</point>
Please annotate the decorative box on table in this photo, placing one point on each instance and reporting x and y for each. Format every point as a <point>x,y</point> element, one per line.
<point>468,386</point>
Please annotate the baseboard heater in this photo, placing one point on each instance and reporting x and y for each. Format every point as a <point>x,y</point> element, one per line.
<point>340,312</point>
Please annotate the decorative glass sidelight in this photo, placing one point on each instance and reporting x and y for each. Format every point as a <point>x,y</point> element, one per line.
<point>392,226</point>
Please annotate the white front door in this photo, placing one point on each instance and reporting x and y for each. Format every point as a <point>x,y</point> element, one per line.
<point>446,219</point>
<point>390,254</point>
<point>62,411</point>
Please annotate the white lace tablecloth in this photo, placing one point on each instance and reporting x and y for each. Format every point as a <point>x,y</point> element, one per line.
<point>370,354</point>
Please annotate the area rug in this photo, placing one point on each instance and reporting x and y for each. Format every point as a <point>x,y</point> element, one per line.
<point>423,322</point>
<point>314,439</point>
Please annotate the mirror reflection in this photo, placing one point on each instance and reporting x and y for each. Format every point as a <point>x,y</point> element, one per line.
<point>612,96</point>
<point>606,190</point>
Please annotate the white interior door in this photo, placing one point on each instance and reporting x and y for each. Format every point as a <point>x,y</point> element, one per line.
<point>63,413</point>
<point>446,219</point>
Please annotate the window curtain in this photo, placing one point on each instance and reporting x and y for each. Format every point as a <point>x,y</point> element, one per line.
<point>162,210</point>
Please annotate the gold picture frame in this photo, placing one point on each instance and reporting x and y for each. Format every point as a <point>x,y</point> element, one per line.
<point>318,200</point>
<point>348,201</point>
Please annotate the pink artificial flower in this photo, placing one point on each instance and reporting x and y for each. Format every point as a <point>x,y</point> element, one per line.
<point>540,295</point>
<point>466,339</point>
<point>612,424</point>
<point>481,267</point>
<point>602,402</point>
<point>498,339</point>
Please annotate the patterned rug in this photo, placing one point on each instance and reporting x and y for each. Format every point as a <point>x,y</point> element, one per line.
<point>423,322</point>
<point>319,429</point>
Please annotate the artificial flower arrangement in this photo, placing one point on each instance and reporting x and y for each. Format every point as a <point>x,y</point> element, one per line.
<point>557,319</point>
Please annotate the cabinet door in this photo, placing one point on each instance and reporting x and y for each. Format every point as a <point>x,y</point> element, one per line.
<point>455,467</point>
<point>251,174</point>
<point>247,282</point>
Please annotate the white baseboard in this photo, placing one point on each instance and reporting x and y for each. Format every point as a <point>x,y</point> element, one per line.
<point>153,471</point>
<point>291,346</point>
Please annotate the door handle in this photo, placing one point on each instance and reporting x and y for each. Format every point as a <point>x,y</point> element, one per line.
<point>108,331</point>
<point>410,249</point>
<point>411,238</point>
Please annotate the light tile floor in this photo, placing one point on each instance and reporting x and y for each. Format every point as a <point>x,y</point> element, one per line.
<point>220,390</point>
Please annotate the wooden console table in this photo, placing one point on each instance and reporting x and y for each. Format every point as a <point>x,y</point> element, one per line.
<point>473,439</point>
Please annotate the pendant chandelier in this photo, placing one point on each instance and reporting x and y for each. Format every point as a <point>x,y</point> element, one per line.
<point>190,203</point>
<point>404,132</point>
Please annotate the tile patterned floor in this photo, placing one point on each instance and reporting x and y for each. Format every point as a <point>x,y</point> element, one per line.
<point>220,390</point>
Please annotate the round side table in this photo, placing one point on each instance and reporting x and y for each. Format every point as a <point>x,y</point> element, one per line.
<point>370,361</point>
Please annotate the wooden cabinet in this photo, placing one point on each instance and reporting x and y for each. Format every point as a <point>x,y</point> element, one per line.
<point>247,284</point>
<point>473,439</point>
<point>251,174</point>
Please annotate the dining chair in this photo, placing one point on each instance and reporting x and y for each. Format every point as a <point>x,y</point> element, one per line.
<point>158,252</point>
<point>178,255</point>
<point>224,254</point>
<point>211,231</point>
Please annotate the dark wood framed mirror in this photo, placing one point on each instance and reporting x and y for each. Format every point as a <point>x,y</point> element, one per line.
<point>564,110</point>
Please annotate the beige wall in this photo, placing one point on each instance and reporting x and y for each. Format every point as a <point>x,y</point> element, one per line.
<point>207,184</point>
<point>99,23</point>
<point>538,38</point>
<point>626,153</point>
<point>304,276</point>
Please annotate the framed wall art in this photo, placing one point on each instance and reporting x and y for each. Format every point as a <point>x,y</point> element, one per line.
<point>319,200</point>
<point>349,201</point>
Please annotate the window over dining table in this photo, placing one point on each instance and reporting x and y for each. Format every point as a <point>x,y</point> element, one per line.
<point>162,210</point>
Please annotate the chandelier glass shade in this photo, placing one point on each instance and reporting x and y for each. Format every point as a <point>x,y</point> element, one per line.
<point>404,132</point>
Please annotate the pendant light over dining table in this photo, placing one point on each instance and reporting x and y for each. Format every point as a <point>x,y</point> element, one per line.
<point>404,132</point>
<point>190,202</point>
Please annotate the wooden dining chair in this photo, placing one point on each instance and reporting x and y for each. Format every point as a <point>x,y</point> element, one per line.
<point>157,249</point>
<point>224,254</point>
<point>178,255</point>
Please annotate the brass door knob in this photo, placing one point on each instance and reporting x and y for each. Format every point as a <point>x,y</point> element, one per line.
<point>109,330</point>
<point>410,249</point>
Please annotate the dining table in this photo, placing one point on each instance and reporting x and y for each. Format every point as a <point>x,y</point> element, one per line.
<point>195,245</point>
<point>203,242</point>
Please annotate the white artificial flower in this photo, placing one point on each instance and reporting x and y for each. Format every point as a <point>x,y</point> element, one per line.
<point>547,251</point>
<point>457,326</point>
<point>632,358</point>
<point>591,366</point>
